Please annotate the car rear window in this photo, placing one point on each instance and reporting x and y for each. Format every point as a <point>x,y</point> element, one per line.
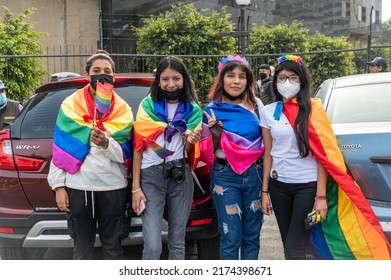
<point>40,119</point>
<point>367,103</point>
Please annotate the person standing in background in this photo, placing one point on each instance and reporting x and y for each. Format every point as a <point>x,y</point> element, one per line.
<point>264,89</point>
<point>378,64</point>
<point>9,109</point>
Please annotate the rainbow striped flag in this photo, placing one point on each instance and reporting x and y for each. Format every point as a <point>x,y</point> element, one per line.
<point>241,139</point>
<point>151,122</point>
<point>72,133</point>
<point>351,229</point>
<point>104,93</point>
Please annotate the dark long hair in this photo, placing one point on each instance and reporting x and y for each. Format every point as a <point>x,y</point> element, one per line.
<point>174,63</point>
<point>303,100</point>
<point>215,92</point>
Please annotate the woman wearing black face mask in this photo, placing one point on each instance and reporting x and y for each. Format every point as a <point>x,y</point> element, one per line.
<point>167,123</point>
<point>91,155</point>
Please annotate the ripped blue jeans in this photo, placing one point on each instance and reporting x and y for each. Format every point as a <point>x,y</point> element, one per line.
<point>238,204</point>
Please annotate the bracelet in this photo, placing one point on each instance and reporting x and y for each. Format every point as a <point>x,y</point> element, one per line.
<point>320,197</point>
<point>265,191</point>
<point>136,190</point>
<point>59,188</point>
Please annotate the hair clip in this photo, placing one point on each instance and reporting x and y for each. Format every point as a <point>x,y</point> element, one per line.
<point>289,57</point>
<point>231,58</point>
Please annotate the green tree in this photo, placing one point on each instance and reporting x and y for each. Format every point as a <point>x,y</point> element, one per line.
<point>385,37</point>
<point>328,65</point>
<point>277,39</point>
<point>17,37</point>
<point>184,30</point>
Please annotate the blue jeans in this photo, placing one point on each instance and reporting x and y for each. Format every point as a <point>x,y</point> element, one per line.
<point>238,205</point>
<point>177,198</point>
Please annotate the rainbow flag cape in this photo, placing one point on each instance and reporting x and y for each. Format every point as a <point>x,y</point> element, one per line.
<point>351,229</point>
<point>241,139</point>
<point>104,93</point>
<point>151,122</point>
<point>72,133</point>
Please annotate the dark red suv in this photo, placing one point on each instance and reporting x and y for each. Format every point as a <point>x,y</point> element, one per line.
<point>30,221</point>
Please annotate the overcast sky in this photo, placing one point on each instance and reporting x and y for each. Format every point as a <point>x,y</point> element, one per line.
<point>386,9</point>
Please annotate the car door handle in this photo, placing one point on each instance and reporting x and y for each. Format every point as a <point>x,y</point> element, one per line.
<point>381,159</point>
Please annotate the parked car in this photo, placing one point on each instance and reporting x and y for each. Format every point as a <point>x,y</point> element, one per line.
<point>359,108</point>
<point>30,221</point>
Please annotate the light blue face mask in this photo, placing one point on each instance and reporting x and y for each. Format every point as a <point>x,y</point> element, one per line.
<point>3,98</point>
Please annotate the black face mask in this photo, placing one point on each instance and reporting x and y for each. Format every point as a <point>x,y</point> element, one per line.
<point>262,76</point>
<point>102,78</point>
<point>232,98</point>
<point>172,95</point>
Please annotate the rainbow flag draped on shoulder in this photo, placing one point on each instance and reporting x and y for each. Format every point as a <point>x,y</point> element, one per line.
<point>72,133</point>
<point>351,229</point>
<point>241,138</point>
<point>151,122</point>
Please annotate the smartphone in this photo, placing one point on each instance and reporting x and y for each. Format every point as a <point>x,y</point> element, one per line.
<point>141,207</point>
<point>311,220</point>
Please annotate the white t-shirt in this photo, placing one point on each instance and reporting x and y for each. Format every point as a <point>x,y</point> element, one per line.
<point>287,163</point>
<point>151,158</point>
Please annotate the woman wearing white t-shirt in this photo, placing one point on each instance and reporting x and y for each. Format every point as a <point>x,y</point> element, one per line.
<point>292,175</point>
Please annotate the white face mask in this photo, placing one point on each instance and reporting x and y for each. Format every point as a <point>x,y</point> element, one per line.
<point>288,89</point>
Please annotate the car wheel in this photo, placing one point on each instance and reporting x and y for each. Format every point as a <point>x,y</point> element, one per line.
<point>15,253</point>
<point>209,249</point>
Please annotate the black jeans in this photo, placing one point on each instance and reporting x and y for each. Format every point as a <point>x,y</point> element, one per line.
<point>105,208</point>
<point>291,204</point>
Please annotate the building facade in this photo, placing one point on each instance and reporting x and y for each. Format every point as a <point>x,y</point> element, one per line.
<point>81,26</point>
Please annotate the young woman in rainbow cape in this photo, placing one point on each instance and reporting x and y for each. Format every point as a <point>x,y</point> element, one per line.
<point>231,145</point>
<point>304,171</point>
<point>92,149</point>
<point>168,124</point>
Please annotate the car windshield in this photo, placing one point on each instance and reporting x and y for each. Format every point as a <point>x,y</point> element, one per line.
<point>39,121</point>
<point>366,103</point>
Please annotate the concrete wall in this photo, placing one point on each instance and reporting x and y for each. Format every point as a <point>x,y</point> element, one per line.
<point>69,23</point>
<point>72,27</point>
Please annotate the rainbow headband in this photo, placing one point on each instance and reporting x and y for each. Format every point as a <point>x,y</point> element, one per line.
<point>231,58</point>
<point>289,57</point>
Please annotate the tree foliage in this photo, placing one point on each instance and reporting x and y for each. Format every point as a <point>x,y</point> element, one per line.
<point>385,37</point>
<point>17,37</point>
<point>184,30</point>
<point>272,41</point>
<point>328,65</point>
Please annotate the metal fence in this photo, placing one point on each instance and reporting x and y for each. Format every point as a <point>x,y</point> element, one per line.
<point>203,68</point>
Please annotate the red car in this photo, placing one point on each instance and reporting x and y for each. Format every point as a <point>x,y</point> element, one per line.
<point>30,221</point>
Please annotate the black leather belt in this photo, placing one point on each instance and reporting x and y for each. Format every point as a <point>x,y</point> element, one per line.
<point>224,161</point>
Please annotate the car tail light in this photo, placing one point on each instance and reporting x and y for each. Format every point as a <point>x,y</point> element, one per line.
<point>201,222</point>
<point>6,160</point>
<point>6,157</point>
<point>7,230</point>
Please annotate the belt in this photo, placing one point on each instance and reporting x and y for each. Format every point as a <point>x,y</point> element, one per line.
<point>224,161</point>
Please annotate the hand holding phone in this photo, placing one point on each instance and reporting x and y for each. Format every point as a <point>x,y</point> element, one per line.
<point>311,220</point>
<point>141,207</point>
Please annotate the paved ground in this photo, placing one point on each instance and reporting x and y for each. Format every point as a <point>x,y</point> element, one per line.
<point>271,245</point>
